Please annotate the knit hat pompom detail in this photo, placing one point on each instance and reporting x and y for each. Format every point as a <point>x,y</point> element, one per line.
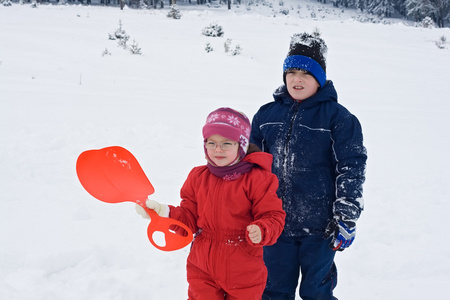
<point>307,52</point>
<point>231,124</point>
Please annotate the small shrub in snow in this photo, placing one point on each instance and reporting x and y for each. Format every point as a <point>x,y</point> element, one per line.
<point>284,11</point>
<point>174,12</point>
<point>135,49</point>
<point>123,41</point>
<point>208,48</point>
<point>441,43</point>
<point>237,50</point>
<point>34,4</point>
<point>213,30</point>
<point>6,3</point>
<point>106,52</point>
<point>227,45</point>
<point>122,38</point>
<point>119,33</point>
<point>228,49</point>
<point>316,32</point>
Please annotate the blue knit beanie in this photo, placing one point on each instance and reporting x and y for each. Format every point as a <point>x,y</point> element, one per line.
<point>307,52</point>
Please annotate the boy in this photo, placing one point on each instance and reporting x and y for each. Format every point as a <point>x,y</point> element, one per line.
<point>319,159</point>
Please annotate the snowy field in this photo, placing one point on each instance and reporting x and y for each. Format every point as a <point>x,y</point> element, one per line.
<point>60,96</point>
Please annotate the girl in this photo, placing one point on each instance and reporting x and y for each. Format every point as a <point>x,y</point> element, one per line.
<point>231,203</point>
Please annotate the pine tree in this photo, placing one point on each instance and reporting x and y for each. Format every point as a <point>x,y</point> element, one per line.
<point>419,9</point>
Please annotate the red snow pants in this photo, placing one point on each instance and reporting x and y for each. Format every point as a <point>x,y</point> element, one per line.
<point>225,266</point>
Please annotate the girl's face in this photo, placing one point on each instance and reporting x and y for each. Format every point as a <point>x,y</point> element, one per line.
<point>221,150</point>
<point>300,84</point>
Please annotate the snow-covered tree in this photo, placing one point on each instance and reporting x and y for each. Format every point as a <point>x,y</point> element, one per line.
<point>174,12</point>
<point>442,12</point>
<point>438,10</point>
<point>381,8</point>
<point>419,9</point>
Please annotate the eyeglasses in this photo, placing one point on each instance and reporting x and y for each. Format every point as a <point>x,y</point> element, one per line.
<point>224,146</point>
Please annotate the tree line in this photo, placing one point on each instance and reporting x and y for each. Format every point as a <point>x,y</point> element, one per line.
<point>417,10</point>
<point>437,10</point>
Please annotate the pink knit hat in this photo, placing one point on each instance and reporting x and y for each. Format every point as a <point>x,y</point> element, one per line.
<point>230,124</point>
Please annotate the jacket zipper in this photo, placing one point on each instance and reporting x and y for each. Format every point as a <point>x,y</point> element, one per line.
<point>295,109</point>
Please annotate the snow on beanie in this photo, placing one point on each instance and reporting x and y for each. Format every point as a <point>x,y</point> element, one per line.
<point>307,52</point>
<point>230,124</point>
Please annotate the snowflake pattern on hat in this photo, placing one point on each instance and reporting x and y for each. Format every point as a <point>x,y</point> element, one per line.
<point>233,120</point>
<point>212,118</point>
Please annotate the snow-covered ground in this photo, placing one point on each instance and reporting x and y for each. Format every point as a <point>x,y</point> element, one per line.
<point>59,97</point>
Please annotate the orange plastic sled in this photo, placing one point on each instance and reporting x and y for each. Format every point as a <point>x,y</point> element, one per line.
<point>113,175</point>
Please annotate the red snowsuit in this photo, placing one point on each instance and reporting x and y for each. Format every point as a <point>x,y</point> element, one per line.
<point>223,260</point>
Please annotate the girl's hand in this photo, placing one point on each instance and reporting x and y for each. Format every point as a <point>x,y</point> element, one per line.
<point>254,233</point>
<point>141,211</point>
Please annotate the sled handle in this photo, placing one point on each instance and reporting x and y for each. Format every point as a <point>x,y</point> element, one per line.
<point>113,175</point>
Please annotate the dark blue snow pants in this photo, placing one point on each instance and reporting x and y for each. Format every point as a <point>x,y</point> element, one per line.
<point>308,254</point>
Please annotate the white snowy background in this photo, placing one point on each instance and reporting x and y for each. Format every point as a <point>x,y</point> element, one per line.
<point>59,97</point>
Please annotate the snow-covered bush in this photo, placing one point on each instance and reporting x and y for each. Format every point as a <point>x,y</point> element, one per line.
<point>119,33</point>
<point>134,48</point>
<point>227,45</point>
<point>106,52</point>
<point>208,48</point>
<point>442,42</point>
<point>143,5</point>
<point>428,22</point>
<point>213,30</point>
<point>316,32</point>
<point>284,11</point>
<point>122,38</point>
<point>228,49</point>
<point>6,3</point>
<point>123,41</point>
<point>237,50</point>
<point>174,12</point>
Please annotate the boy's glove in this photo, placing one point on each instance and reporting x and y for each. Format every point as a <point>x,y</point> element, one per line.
<point>342,234</point>
<point>161,209</point>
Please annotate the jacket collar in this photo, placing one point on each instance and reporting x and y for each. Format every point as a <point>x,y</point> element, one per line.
<point>327,93</point>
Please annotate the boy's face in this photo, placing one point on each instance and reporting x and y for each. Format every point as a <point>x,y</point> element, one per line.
<point>221,157</point>
<point>300,84</point>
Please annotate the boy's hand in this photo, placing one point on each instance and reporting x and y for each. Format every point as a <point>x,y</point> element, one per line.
<point>254,233</point>
<point>342,234</point>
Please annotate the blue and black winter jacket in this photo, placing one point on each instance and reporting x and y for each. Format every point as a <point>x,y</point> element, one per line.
<point>319,158</point>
